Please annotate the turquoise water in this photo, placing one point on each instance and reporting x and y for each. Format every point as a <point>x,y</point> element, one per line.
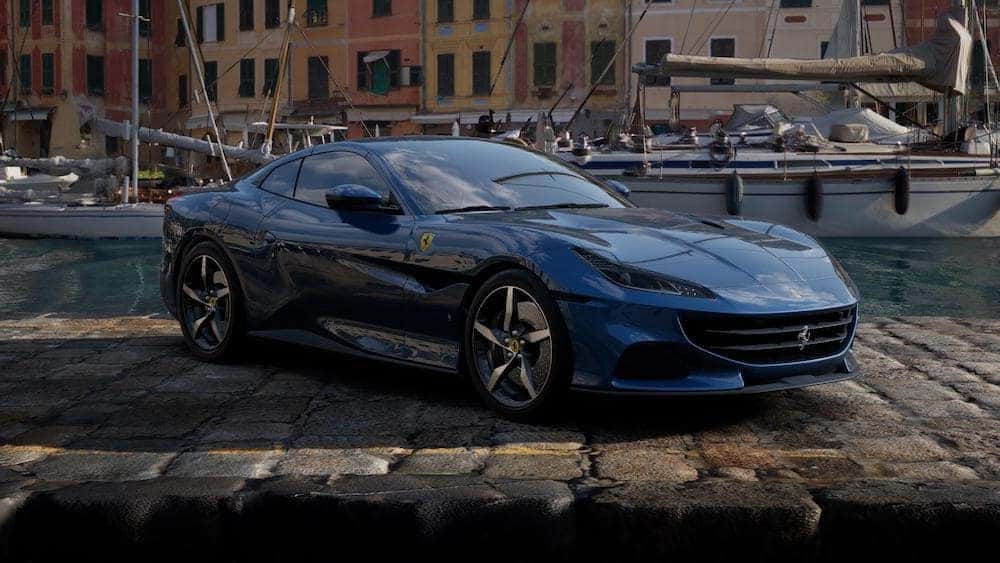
<point>954,277</point>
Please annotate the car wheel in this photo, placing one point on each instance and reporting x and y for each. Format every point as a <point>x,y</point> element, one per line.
<point>518,352</point>
<point>209,306</point>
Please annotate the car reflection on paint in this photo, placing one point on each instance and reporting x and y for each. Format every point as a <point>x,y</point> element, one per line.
<point>526,275</point>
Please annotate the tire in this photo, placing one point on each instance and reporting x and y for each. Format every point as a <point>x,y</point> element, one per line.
<point>202,294</point>
<point>531,333</point>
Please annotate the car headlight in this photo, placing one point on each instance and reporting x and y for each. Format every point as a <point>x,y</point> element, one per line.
<point>637,278</point>
<point>845,277</point>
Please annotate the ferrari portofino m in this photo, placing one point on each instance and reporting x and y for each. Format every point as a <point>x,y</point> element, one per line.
<point>527,275</point>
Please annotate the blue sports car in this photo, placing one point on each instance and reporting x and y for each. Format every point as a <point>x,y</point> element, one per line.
<point>527,275</point>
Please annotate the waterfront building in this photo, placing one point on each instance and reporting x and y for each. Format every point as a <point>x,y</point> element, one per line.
<point>559,49</point>
<point>62,63</point>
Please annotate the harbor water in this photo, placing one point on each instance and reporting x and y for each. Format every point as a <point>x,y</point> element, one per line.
<point>948,277</point>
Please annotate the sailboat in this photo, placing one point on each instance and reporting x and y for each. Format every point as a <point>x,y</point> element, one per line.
<point>113,215</point>
<point>850,173</point>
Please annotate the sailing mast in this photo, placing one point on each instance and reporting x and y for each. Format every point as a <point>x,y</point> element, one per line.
<point>199,67</point>
<point>282,64</point>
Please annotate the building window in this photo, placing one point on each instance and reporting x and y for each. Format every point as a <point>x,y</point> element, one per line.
<point>48,14</point>
<point>146,25</point>
<point>272,13</point>
<point>111,146</point>
<point>212,79</point>
<point>181,38</point>
<point>270,76</point>
<point>24,73</point>
<point>481,73</point>
<point>319,78</point>
<point>655,49</point>
<point>316,13</point>
<point>446,75</point>
<point>796,3</point>
<point>381,8</point>
<point>95,75</point>
<point>48,74</point>
<point>545,64</point>
<point>211,23</point>
<point>145,81</point>
<point>480,9</point>
<point>3,67</point>
<point>724,47</point>
<point>24,13</point>
<point>823,46</point>
<point>601,53</point>
<point>182,91</point>
<point>247,78</point>
<point>246,15</point>
<point>95,15</point>
<point>446,11</point>
<point>380,75</point>
<point>886,3</point>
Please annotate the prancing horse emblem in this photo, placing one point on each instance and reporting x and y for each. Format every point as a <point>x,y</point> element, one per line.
<point>425,241</point>
<point>803,337</point>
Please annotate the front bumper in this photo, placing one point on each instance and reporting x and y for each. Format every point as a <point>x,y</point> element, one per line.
<point>606,336</point>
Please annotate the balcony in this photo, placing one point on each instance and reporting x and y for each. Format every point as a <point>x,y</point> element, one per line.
<point>316,17</point>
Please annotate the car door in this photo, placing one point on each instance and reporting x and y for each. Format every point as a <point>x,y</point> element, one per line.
<point>340,269</point>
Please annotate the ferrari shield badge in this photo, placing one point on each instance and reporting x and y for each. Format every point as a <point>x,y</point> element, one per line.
<point>425,241</point>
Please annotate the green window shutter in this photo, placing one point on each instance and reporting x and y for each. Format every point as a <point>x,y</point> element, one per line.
<point>601,53</point>
<point>319,80</point>
<point>24,73</point>
<point>95,75</point>
<point>199,27</point>
<point>545,64</point>
<point>270,76</point>
<point>211,79</point>
<point>24,13</point>
<point>446,10</point>
<point>220,21</point>
<point>145,27</point>
<point>145,81</point>
<point>247,78</point>
<point>446,75</point>
<point>481,72</point>
<point>48,73</point>
<point>182,91</point>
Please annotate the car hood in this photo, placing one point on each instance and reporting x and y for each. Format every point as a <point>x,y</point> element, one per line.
<point>718,253</point>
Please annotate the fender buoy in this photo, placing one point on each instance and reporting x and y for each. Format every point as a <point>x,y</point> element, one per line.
<point>901,190</point>
<point>814,197</point>
<point>734,194</point>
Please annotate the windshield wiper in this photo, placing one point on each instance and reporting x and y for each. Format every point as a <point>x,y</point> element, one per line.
<point>503,179</point>
<point>563,206</point>
<point>472,208</point>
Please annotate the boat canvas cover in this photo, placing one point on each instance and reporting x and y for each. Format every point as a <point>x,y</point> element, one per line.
<point>940,63</point>
<point>753,116</point>
<point>879,127</point>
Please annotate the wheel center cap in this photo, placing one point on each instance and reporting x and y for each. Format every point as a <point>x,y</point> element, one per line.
<point>515,346</point>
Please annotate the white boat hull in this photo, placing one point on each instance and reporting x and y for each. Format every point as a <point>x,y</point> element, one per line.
<point>132,221</point>
<point>966,206</point>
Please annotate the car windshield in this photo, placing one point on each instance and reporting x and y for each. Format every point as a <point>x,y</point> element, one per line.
<point>452,176</point>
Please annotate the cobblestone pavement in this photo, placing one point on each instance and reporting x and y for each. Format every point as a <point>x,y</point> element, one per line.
<point>119,400</point>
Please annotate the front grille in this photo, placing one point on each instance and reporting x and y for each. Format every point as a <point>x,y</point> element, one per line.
<point>772,339</point>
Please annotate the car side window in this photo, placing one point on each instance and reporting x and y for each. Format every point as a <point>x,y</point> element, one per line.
<point>281,180</point>
<point>324,171</point>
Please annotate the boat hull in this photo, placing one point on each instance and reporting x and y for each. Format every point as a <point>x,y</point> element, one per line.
<point>966,206</point>
<point>130,221</point>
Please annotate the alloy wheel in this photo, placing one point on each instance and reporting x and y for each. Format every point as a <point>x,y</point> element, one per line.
<point>206,302</point>
<point>512,346</point>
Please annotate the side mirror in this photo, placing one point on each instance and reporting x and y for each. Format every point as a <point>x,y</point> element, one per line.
<point>619,187</point>
<point>353,196</point>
